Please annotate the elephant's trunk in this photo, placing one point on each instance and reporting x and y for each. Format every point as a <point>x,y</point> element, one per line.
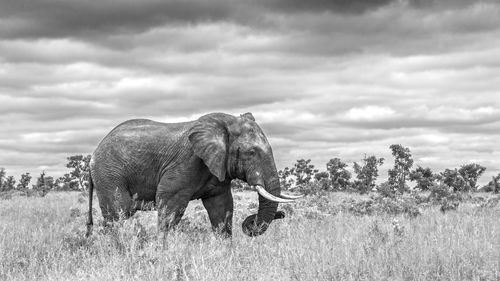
<point>255,225</point>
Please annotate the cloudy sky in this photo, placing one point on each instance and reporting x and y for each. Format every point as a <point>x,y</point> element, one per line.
<point>324,79</point>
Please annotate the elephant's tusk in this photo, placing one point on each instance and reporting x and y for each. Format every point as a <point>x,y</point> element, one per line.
<point>293,197</point>
<point>271,197</point>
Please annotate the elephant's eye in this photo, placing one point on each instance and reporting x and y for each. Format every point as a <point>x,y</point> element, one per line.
<point>251,152</point>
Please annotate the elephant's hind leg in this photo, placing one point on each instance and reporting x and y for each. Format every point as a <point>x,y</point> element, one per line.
<point>116,203</point>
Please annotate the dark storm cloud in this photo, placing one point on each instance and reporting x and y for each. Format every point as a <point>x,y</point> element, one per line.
<point>446,4</point>
<point>118,34</point>
<point>72,18</point>
<point>338,6</point>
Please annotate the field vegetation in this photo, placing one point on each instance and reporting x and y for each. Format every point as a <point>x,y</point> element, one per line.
<point>348,227</point>
<point>333,236</point>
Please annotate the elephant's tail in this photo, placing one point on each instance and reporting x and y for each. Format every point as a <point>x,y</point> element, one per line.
<point>90,221</point>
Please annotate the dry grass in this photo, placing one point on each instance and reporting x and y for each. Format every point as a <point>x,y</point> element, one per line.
<point>43,239</point>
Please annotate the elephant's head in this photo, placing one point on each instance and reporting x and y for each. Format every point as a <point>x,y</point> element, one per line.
<point>235,147</point>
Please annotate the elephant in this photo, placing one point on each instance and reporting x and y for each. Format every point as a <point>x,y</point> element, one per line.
<point>143,162</point>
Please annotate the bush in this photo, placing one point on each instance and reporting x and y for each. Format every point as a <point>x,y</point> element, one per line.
<point>310,188</point>
<point>397,205</point>
<point>253,205</point>
<point>359,208</point>
<point>6,195</point>
<point>240,185</point>
<point>491,203</point>
<point>361,187</point>
<point>386,190</point>
<point>383,205</point>
<point>75,212</point>
<point>82,199</point>
<point>492,186</point>
<point>487,188</point>
<point>419,197</point>
<point>313,215</point>
<point>477,200</point>
<point>449,205</point>
<point>439,191</point>
<point>288,208</point>
<point>325,184</point>
<point>444,195</point>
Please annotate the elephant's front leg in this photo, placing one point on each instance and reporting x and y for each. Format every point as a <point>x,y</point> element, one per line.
<point>171,207</point>
<point>220,211</point>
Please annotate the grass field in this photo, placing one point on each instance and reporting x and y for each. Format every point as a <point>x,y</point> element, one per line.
<point>43,239</point>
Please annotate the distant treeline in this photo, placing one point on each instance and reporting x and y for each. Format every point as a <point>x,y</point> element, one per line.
<point>76,179</point>
<point>305,178</point>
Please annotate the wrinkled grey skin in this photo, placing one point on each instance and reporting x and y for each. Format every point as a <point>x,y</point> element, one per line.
<point>144,162</point>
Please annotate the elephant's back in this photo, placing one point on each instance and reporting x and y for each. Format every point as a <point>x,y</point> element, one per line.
<point>144,131</point>
<point>127,135</point>
<point>136,144</point>
<point>136,127</point>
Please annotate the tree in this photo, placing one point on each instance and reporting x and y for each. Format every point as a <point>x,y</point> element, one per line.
<point>2,178</point>
<point>321,175</point>
<point>24,181</point>
<point>66,182</point>
<point>323,180</point>
<point>44,183</point>
<point>402,164</point>
<point>285,178</point>
<point>40,181</point>
<point>339,175</point>
<point>303,170</point>
<point>493,185</point>
<point>471,173</point>
<point>80,166</point>
<point>9,183</point>
<point>453,179</point>
<point>424,178</point>
<point>367,173</point>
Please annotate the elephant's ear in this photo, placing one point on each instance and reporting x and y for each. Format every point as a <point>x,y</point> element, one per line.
<point>209,138</point>
<point>248,116</point>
